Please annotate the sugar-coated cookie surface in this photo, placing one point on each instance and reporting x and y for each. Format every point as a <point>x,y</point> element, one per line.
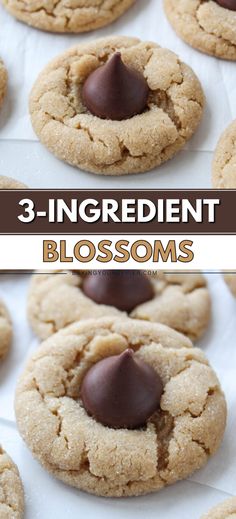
<point>11,489</point>
<point>226,510</point>
<point>177,440</point>
<point>5,330</point>
<point>67,15</point>
<point>3,82</point>
<point>230,280</point>
<point>140,143</point>
<point>224,163</point>
<point>205,25</point>
<point>181,301</point>
<point>10,183</point>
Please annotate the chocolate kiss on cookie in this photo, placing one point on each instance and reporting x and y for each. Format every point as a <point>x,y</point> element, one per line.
<point>121,391</point>
<point>227,4</point>
<point>115,91</point>
<point>123,289</point>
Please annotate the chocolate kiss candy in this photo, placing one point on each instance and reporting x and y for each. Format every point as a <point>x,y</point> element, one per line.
<point>228,4</point>
<point>121,391</point>
<point>124,289</point>
<point>114,91</point>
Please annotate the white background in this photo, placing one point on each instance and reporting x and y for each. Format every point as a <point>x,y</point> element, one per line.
<point>47,498</point>
<point>26,51</point>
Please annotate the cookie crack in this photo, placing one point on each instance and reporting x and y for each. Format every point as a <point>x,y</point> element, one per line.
<point>66,16</point>
<point>9,506</point>
<point>4,501</point>
<point>164,426</point>
<point>203,446</point>
<point>221,38</point>
<point>226,163</point>
<point>210,392</point>
<point>60,432</point>
<point>190,333</point>
<point>164,101</point>
<point>185,289</point>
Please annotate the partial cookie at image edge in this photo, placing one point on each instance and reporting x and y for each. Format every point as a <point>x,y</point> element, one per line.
<point>206,26</point>
<point>67,19</point>
<point>225,510</point>
<point>224,161</point>
<point>3,82</point>
<point>6,330</point>
<point>230,280</point>
<point>11,183</point>
<point>11,488</point>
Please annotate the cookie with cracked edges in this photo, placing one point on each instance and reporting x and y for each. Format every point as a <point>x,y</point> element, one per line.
<point>11,489</point>
<point>5,330</point>
<point>230,280</point>
<point>10,183</point>
<point>116,147</point>
<point>205,25</point>
<point>176,440</point>
<point>67,16</point>
<point>3,82</point>
<point>227,510</point>
<point>224,162</point>
<point>180,300</point>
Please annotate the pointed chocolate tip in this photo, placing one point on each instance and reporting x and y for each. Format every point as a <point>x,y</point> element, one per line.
<point>116,58</point>
<point>128,353</point>
<point>121,391</point>
<point>115,91</point>
<point>126,357</point>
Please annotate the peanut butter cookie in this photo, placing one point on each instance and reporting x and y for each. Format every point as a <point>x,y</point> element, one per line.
<point>116,106</point>
<point>11,489</point>
<point>63,377</point>
<point>10,183</point>
<point>3,82</point>
<point>226,510</point>
<point>67,15</point>
<point>205,25</point>
<point>181,301</point>
<point>230,280</point>
<point>224,163</point>
<point>5,330</point>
